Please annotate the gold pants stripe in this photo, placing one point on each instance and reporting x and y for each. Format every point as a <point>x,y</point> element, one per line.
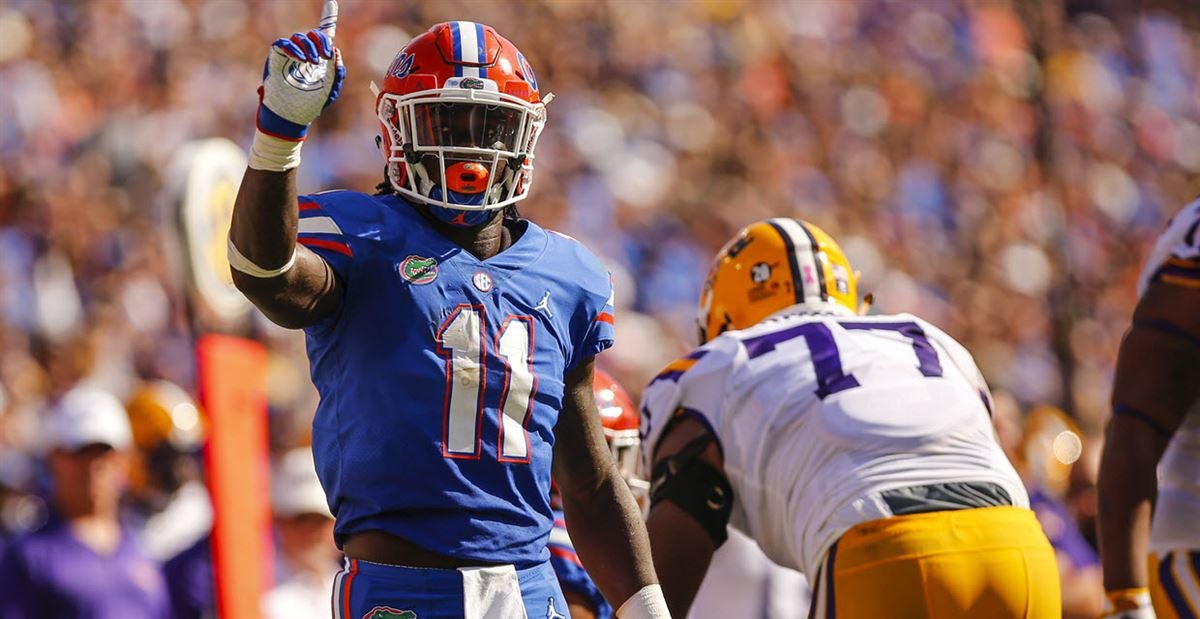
<point>1175,584</point>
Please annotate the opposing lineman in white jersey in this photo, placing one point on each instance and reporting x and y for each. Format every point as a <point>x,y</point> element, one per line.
<point>1156,423</point>
<point>857,449</point>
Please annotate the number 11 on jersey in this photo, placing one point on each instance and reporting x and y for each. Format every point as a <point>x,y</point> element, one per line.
<point>462,342</point>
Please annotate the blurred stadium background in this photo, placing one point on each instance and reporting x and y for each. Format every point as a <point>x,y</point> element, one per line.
<point>998,167</point>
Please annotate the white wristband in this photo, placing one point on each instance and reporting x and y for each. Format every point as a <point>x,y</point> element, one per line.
<point>1131,603</point>
<point>273,154</point>
<point>647,603</point>
<point>243,264</point>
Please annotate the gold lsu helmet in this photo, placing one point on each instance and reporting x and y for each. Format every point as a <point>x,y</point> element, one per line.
<point>166,423</point>
<point>771,265</point>
<point>162,412</point>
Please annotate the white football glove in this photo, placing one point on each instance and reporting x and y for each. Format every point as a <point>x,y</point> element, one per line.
<point>302,76</point>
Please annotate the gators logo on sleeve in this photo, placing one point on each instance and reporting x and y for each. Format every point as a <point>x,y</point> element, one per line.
<point>385,612</point>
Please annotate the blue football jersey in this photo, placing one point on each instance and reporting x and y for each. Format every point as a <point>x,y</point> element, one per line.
<point>441,376</point>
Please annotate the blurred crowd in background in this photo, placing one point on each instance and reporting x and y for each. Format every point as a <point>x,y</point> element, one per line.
<point>998,168</point>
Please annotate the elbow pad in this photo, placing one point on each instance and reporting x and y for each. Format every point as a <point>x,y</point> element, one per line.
<point>696,487</point>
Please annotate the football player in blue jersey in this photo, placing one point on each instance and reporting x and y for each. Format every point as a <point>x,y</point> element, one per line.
<point>451,341</point>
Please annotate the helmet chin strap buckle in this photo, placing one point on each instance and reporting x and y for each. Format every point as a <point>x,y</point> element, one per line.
<point>864,306</point>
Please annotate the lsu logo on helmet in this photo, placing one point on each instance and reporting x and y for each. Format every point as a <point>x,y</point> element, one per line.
<point>772,265</point>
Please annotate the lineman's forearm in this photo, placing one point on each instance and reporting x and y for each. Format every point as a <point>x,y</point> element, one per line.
<point>607,531</point>
<point>1154,385</point>
<point>683,550</point>
<point>1127,489</point>
<point>265,217</point>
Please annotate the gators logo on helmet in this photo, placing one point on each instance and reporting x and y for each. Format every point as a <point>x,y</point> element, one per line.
<point>772,265</point>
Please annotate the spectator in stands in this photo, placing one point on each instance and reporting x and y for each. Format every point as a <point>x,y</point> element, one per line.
<point>166,489</point>
<point>1044,446</point>
<point>20,510</point>
<point>83,563</point>
<point>307,557</point>
<point>189,577</point>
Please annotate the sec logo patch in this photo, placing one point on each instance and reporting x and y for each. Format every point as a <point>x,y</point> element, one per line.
<point>482,281</point>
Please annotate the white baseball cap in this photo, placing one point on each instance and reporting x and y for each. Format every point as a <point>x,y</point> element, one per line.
<point>87,416</point>
<point>295,488</point>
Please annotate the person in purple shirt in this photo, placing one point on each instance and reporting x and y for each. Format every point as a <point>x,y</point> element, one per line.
<point>83,564</point>
<point>189,576</point>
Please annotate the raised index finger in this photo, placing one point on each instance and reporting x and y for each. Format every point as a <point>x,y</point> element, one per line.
<point>329,17</point>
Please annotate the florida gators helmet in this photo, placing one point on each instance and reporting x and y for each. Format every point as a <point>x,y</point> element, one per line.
<point>460,115</point>
<point>620,419</point>
<point>772,265</point>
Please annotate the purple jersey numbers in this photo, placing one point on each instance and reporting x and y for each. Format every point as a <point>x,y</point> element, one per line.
<point>827,362</point>
<point>823,350</point>
<point>927,359</point>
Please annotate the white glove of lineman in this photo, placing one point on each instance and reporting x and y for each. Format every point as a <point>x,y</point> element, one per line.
<point>1129,604</point>
<point>302,76</point>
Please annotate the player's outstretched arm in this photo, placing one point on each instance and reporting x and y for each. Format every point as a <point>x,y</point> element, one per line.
<point>602,516</point>
<point>291,285</point>
<point>1157,381</point>
<point>681,546</point>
